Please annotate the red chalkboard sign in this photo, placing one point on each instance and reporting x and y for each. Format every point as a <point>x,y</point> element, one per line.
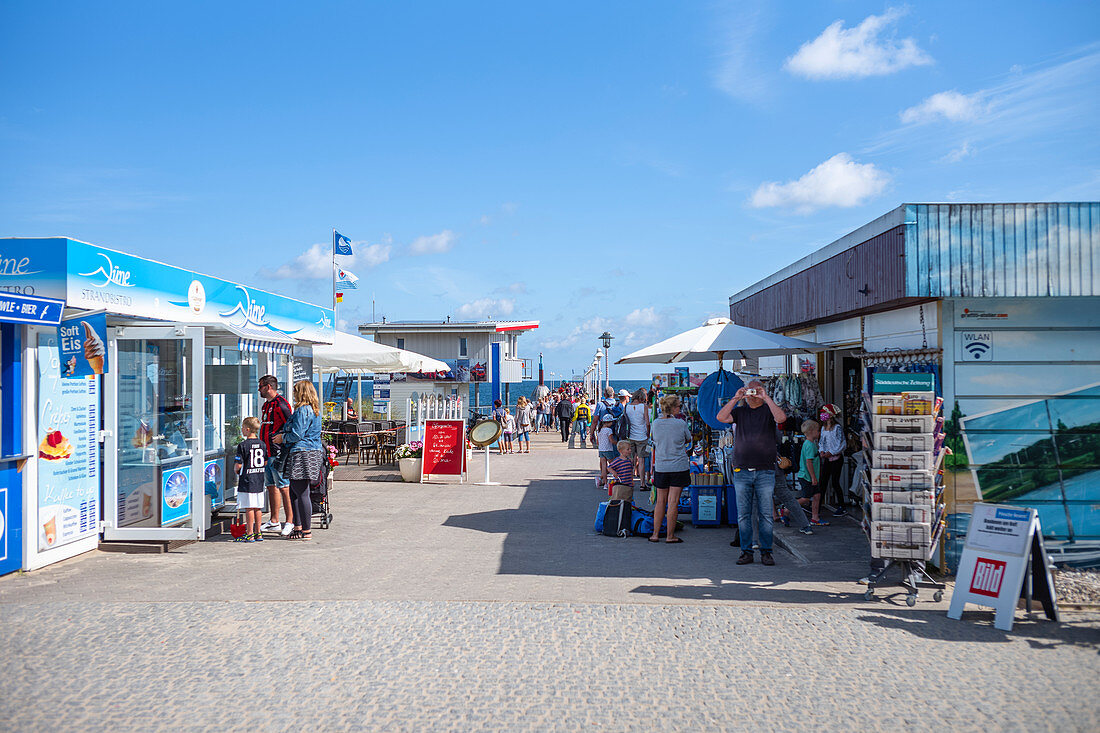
<point>444,448</point>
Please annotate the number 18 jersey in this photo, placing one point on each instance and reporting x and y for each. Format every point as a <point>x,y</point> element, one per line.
<point>251,457</point>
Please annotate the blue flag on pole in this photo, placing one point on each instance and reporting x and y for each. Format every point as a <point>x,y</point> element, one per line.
<point>341,244</point>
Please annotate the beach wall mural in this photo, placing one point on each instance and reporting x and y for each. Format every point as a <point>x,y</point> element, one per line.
<point>1022,403</point>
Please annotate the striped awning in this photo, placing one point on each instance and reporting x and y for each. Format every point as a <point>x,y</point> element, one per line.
<point>265,347</point>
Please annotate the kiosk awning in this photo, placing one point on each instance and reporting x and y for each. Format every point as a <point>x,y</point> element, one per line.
<point>261,341</point>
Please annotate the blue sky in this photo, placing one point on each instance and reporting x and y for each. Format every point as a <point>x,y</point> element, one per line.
<point>622,166</point>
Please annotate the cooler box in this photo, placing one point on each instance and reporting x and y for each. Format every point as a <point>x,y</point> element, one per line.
<point>706,506</point>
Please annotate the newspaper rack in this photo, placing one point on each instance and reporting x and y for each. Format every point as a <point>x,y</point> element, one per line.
<point>902,482</point>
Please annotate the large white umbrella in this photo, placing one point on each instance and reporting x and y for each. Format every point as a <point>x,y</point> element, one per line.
<point>717,339</point>
<point>357,355</point>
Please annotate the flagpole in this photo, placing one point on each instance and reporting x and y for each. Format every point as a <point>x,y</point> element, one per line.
<point>335,319</point>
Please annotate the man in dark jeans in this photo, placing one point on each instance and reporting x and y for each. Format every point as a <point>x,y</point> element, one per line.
<point>564,411</point>
<point>755,452</point>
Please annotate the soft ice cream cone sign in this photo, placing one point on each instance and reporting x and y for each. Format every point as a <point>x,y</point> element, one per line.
<point>83,345</point>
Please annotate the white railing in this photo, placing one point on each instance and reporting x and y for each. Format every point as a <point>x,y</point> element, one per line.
<point>432,407</point>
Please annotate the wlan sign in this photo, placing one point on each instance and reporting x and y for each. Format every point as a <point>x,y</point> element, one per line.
<point>976,346</point>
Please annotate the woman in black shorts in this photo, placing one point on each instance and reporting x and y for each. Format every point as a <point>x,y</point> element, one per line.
<point>671,441</point>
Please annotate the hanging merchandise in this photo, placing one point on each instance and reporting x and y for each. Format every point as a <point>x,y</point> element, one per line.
<point>714,392</point>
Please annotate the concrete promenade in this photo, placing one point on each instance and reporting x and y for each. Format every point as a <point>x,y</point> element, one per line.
<point>448,607</point>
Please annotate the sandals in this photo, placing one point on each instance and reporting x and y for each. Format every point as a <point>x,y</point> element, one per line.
<point>306,535</point>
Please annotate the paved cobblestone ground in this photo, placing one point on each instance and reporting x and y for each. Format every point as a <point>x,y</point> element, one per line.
<point>460,608</point>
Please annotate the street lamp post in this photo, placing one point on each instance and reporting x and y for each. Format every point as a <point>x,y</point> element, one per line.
<point>605,339</point>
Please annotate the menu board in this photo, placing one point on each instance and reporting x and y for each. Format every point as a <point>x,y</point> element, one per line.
<point>68,451</point>
<point>444,448</point>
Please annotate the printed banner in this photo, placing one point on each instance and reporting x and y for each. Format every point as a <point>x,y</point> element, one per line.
<point>68,451</point>
<point>83,345</point>
<point>214,477</point>
<point>175,490</point>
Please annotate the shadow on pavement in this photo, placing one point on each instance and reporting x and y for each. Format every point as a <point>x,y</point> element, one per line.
<point>977,625</point>
<point>551,533</point>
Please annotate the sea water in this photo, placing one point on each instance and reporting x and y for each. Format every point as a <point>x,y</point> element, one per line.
<point>525,388</point>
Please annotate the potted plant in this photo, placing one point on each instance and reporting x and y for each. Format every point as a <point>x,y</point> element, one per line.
<point>409,460</point>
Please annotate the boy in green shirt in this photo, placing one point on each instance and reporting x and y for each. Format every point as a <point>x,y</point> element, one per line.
<point>809,470</point>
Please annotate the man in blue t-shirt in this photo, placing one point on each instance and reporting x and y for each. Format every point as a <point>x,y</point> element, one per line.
<point>755,452</point>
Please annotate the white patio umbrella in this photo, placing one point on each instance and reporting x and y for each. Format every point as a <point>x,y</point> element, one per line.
<point>357,355</point>
<point>717,339</point>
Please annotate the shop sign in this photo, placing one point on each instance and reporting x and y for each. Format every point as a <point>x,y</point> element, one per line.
<point>83,345</point>
<point>121,283</point>
<point>175,491</point>
<point>68,452</point>
<point>34,267</point>
<point>885,382</point>
<point>382,395</point>
<point>975,346</point>
<point>999,544</point>
<point>444,448</point>
<point>30,310</point>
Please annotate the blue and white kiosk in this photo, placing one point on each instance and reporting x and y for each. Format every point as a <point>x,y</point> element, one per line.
<point>121,417</point>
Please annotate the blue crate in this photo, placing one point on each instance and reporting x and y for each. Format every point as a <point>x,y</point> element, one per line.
<point>706,506</point>
<point>729,505</point>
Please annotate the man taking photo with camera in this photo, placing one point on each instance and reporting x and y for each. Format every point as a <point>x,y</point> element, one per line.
<point>755,452</point>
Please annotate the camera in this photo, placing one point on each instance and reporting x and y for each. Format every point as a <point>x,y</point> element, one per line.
<point>751,391</point>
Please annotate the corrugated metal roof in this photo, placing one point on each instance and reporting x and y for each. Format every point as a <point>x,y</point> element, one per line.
<point>1002,250</point>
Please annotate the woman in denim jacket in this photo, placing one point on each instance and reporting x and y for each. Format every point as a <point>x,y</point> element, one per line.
<point>303,467</point>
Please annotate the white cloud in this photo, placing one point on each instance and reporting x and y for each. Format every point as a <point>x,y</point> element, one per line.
<point>950,106</point>
<point>371,254</point>
<point>316,262</point>
<point>738,71</point>
<point>516,288</point>
<point>1044,102</point>
<point>433,243</point>
<point>839,181</point>
<point>642,317</point>
<point>589,330</point>
<point>862,51</point>
<point>486,308</point>
<point>963,151</point>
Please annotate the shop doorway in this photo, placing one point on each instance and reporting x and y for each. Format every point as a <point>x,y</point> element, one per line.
<point>154,484</point>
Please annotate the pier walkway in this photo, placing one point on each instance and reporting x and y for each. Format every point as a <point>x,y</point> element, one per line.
<point>455,607</point>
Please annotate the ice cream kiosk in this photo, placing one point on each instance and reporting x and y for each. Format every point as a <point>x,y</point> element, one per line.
<point>133,413</point>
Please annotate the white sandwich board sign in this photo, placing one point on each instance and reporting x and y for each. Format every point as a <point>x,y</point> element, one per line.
<point>994,563</point>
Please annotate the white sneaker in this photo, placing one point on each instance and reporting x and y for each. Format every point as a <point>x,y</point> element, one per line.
<point>268,526</point>
<point>287,529</point>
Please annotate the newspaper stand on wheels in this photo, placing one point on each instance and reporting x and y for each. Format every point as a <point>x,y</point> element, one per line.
<point>902,486</point>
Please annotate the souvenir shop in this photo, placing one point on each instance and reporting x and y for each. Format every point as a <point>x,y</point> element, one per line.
<point>128,405</point>
<point>999,306</point>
